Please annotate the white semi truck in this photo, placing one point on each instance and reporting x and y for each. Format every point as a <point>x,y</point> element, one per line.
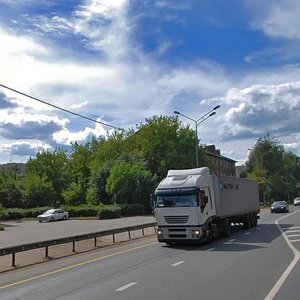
<point>193,205</point>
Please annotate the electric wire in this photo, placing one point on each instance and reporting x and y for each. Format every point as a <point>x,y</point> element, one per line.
<point>60,108</point>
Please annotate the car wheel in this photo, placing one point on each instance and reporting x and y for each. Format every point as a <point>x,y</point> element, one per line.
<point>52,219</point>
<point>40,221</point>
<point>64,218</point>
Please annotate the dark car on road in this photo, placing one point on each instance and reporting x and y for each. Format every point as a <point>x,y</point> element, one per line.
<point>279,206</point>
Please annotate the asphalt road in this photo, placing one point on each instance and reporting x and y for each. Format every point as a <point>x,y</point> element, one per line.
<point>22,231</point>
<point>259,263</point>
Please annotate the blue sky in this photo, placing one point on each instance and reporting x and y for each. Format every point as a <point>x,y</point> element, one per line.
<point>121,61</point>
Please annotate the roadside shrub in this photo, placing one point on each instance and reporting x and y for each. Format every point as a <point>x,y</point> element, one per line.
<point>132,209</point>
<point>82,210</point>
<point>34,212</point>
<point>12,214</point>
<point>109,212</point>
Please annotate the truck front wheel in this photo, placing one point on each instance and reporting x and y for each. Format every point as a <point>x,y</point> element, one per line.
<point>209,234</point>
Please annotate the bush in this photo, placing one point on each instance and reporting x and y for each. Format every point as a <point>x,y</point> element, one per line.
<point>132,209</point>
<point>82,210</point>
<point>12,214</point>
<point>34,212</point>
<point>19,213</point>
<point>109,212</point>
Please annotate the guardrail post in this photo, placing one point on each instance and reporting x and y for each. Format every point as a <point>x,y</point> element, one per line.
<point>143,231</point>
<point>129,234</point>
<point>155,228</point>
<point>95,242</point>
<point>73,246</point>
<point>46,252</point>
<point>114,240</point>
<point>13,263</point>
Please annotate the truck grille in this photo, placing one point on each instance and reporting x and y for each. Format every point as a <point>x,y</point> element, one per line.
<point>176,219</point>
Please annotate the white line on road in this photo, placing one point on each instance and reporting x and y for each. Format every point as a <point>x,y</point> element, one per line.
<point>232,240</point>
<point>289,269</point>
<point>288,228</point>
<point>292,235</point>
<point>293,241</point>
<point>290,231</point>
<point>126,286</point>
<point>177,263</point>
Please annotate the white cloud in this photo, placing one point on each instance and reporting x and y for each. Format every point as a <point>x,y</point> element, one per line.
<point>262,109</point>
<point>278,18</point>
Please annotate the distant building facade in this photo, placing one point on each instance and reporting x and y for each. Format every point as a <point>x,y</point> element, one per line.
<point>240,170</point>
<point>220,165</point>
<point>16,169</point>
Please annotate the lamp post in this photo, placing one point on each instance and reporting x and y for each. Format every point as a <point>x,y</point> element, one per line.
<point>197,122</point>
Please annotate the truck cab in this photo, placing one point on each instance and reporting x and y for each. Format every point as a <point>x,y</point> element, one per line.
<point>183,205</point>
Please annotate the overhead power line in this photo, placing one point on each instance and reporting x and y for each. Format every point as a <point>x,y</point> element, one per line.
<point>60,108</point>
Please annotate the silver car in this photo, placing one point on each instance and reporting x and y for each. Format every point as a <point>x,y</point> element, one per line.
<point>297,201</point>
<point>52,215</point>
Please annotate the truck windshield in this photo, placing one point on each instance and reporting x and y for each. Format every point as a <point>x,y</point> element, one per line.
<point>176,200</point>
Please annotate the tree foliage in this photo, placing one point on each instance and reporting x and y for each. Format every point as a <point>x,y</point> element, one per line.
<point>276,171</point>
<point>38,191</point>
<point>122,166</point>
<point>10,191</point>
<point>53,166</point>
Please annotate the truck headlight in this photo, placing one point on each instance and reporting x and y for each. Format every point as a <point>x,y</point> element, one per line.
<point>196,233</point>
<point>159,232</point>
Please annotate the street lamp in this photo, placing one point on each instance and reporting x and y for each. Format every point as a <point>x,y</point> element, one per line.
<point>197,122</point>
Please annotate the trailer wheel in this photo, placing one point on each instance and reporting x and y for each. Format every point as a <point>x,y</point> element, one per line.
<point>247,221</point>
<point>254,219</point>
<point>227,228</point>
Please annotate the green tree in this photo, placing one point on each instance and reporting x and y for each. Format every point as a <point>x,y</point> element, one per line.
<point>275,170</point>
<point>96,193</point>
<point>79,170</point>
<point>54,167</point>
<point>38,191</point>
<point>107,149</point>
<point>164,143</point>
<point>131,183</point>
<point>10,191</point>
<point>75,194</point>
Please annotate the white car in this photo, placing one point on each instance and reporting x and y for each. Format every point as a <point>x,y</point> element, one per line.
<point>297,201</point>
<point>52,215</point>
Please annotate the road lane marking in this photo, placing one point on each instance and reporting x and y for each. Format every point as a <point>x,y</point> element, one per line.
<point>293,241</point>
<point>126,286</point>
<point>291,266</point>
<point>177,263</point>
<point>291,231</point>
<point>74,266</point>
<point>232,240</point>
<point>292,235</point>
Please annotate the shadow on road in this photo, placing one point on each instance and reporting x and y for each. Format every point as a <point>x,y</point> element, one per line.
<point>239,240</point>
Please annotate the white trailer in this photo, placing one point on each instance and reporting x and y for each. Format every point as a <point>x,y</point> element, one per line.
<point>193,205</point>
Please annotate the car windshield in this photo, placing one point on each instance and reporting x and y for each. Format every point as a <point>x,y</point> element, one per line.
<point>50,211</point>
<point>176,200</point>
<point>279,203</point>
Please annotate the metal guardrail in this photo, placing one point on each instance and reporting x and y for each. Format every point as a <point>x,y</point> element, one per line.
<point>72,239</point>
